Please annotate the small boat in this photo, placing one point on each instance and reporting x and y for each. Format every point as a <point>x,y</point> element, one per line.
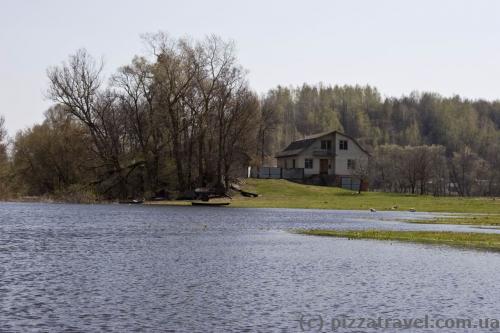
<point>207,203</point>
<point>131,202</point>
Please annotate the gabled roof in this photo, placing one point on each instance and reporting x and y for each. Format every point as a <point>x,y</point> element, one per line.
<point>296,147</point>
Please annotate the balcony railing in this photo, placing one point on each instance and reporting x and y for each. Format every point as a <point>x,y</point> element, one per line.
<point>323,152</point>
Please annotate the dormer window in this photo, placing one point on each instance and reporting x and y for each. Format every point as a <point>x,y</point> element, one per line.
<point>342,144</point>
<point>326,145</point>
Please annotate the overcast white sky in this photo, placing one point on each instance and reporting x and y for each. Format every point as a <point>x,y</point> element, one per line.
<point>446,46</point>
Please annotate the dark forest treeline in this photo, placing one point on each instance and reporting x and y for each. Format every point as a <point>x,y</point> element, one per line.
<point>185,116</point>
<point>417,119</point>
<point>421,143</point>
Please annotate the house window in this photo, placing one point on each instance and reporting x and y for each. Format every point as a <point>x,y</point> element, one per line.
<point>343,144</point>
<point>308,163</point>
<point>293,164</point>
<point>351,164</point>
<point>326,145</point>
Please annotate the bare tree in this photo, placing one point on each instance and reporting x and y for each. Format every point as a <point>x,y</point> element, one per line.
<point>268,122</point>
<point>173,75</point>
<point>361,171</point>
<point>3,138</point>
<point>407,169</point>
<point>138,100</point>
<point>464,166</point>
<point>77,85</point>
<point>4,167</point>
<point>428,161</point>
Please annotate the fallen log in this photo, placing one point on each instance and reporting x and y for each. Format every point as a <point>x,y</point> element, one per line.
<point>248,194</point>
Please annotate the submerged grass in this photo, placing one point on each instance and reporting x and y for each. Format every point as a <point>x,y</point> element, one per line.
<point>457,239</point>
<point>478,220</point>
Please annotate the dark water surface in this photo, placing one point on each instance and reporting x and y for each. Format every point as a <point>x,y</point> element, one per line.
<point>91,268</point>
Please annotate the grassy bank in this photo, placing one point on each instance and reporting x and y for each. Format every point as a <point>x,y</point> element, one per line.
<point>286,194</point>
<point>457,239</point>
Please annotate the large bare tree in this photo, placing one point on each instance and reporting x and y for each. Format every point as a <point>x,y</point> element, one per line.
<point>77,84</point>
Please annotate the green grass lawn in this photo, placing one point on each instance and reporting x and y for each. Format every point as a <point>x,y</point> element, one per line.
<point>458,239</point>
<point>286,194</point>
<point>275,193</point>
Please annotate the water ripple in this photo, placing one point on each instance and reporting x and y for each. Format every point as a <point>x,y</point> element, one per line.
<point>114,268</point>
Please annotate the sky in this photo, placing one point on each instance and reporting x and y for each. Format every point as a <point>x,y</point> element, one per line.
<point>444,46</point>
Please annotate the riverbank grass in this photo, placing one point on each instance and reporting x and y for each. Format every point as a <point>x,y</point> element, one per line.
<point>278,193</point>
<point>457,239</point>
<point>274,193</point>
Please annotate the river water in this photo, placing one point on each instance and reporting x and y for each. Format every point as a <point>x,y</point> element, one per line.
<point>119,268</point>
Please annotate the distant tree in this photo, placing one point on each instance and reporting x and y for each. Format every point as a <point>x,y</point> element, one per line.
<point>410,169</point>
<point>268,123</point>
<point>184,116</point>
<point>464,170</point>
<point>278,105</point>
<point>138,98</point>
<point>423,161</point>
<point>3,140</point>
<point>4,165</point>
<point>52,156</point>
<point>387,172</point>
<point>362,172</point>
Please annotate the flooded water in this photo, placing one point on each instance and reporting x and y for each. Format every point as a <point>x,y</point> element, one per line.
<point>92,268</point>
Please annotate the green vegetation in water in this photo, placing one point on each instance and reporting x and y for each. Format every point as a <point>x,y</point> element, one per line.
<point>479,220</point>
<point>275,193</point>
<point>457,239</point>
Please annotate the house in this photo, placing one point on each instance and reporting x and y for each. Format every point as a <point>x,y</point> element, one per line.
<point>332,154</point>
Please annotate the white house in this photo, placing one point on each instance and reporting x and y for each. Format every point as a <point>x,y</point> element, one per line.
<point>331,153</point>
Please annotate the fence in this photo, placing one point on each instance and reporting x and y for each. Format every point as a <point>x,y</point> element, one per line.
<point>349,183</point>
<point>277,173</point>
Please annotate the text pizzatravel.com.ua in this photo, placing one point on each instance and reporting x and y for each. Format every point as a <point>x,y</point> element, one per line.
<point>318,323</point>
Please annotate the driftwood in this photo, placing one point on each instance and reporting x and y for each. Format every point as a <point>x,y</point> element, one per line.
<point>249,194</point>
<point>244,193</point>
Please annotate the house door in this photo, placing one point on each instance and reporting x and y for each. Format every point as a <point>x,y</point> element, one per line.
<point>323,166</point>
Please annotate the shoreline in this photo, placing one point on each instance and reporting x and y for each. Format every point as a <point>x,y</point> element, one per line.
<point>289,195</point>
<point>448,218</point>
